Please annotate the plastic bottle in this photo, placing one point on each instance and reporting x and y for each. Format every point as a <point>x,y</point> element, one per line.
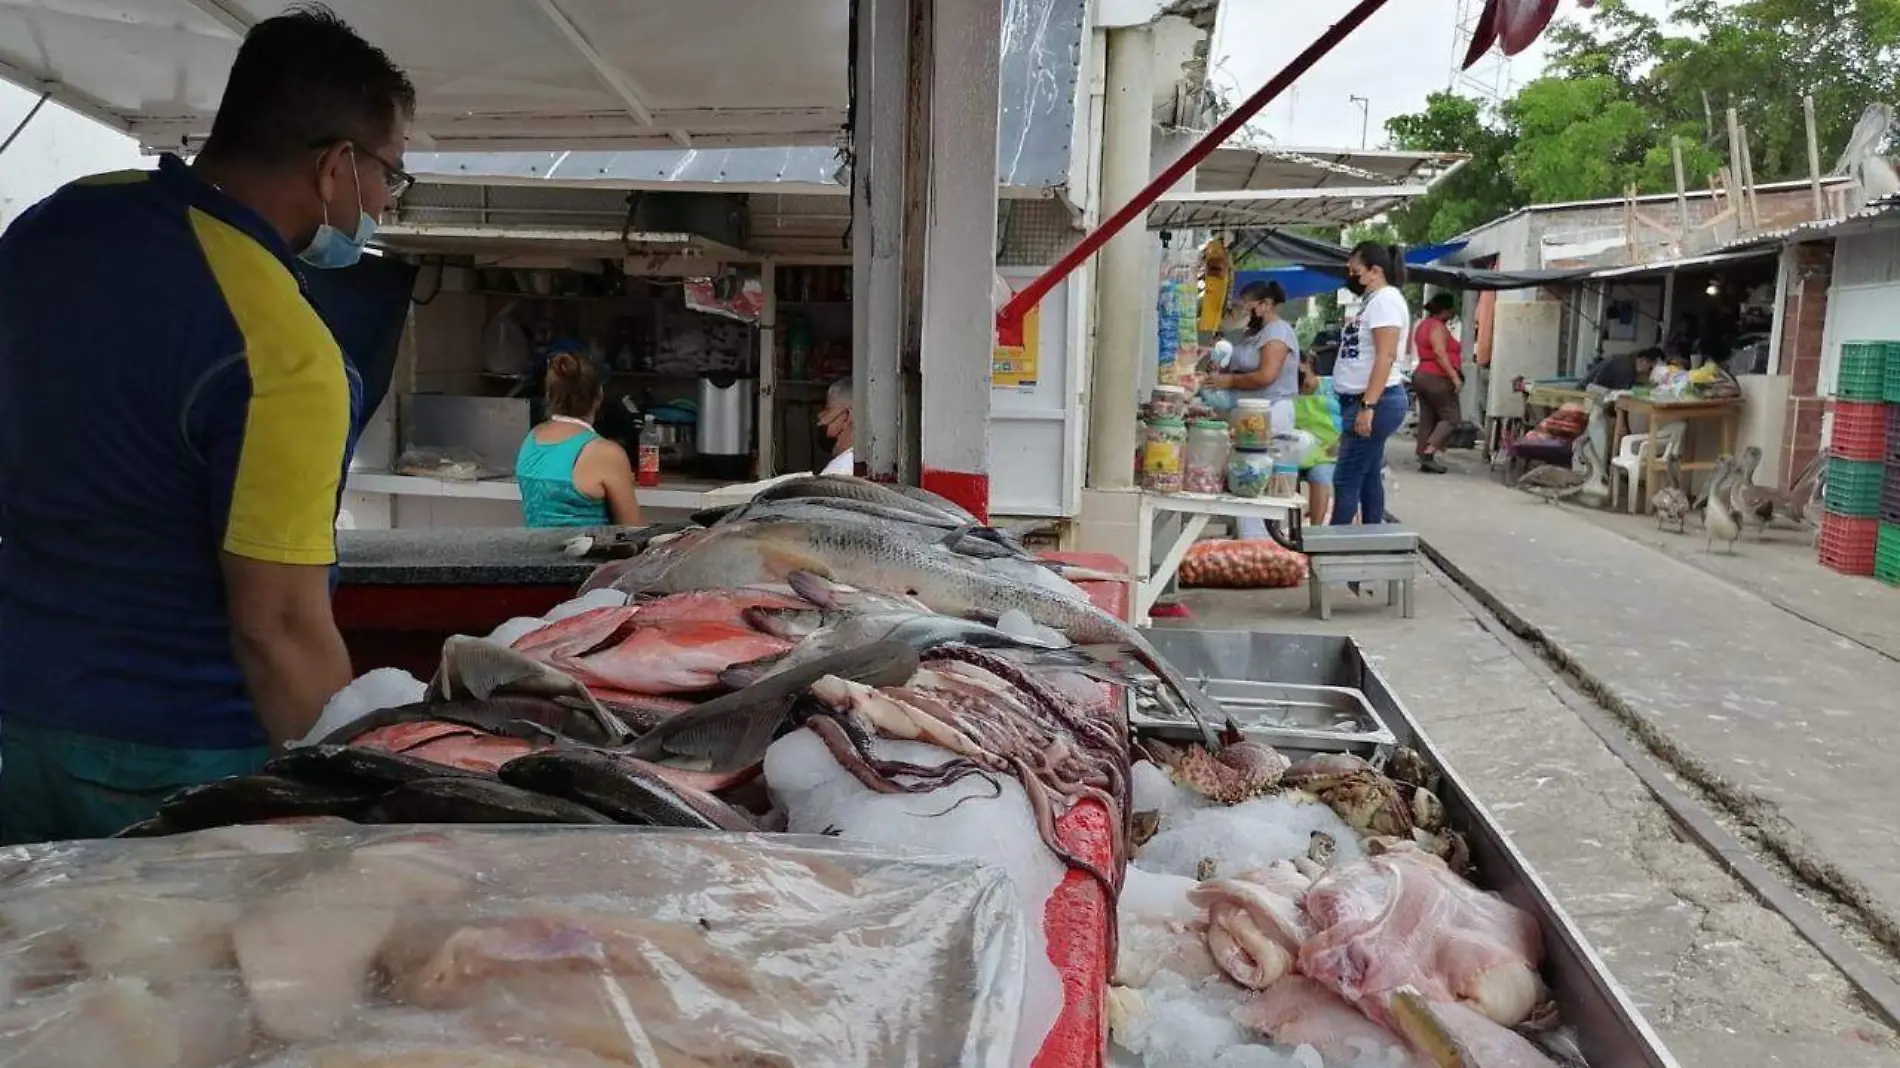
<point>1205,463</point>
<point>1163,441</point>
<point>647,473</point>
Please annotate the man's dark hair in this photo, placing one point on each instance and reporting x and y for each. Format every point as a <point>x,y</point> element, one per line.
<point>1652,354</point>
<point>304,80</point>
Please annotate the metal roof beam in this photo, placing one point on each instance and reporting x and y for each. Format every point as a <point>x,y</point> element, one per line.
<point>235,23</point>
<point>1263,196</point>
<point>76,99</point>
<point>618,81</point>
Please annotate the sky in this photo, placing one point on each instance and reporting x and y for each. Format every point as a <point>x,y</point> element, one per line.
<point>1395,60</point>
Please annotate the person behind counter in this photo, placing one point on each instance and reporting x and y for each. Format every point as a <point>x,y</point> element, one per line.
<point>176,421</point>
<point>834,419</point>
<point>568,474</point>
<point>1372,400</point>
<point>1265,364</point>
<point>1623,371</point>
<point>1437,381</point>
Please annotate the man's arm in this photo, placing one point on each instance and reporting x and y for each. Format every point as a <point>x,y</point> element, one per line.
<point>286,640</point>
<point>272,428</point>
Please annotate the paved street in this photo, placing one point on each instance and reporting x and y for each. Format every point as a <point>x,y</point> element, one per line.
<point>1787,720</point>
<point>1781,708</point>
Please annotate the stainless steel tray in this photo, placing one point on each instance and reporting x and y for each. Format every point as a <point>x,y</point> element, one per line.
<point>1283,715</point>
<point>1612,1032</point>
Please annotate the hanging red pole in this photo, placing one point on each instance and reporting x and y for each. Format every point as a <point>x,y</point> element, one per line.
<point>1009,321</point>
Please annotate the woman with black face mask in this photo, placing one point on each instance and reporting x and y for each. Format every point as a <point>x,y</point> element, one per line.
<point>1372,400</point>
<point>1265,364</point>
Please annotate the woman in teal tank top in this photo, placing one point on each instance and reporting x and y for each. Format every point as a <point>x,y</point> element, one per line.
<point>569,475</point>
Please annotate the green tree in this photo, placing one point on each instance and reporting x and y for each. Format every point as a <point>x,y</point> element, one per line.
<point>1618,87</point>
<point>1481,190</point>
<point>1577,138</point>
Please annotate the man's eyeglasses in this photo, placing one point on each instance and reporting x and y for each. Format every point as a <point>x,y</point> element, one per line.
<point>396,181</point>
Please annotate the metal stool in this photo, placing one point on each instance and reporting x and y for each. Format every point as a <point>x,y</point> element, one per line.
<point>1382,552</point>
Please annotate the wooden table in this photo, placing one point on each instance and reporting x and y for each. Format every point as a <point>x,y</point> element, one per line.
<point>1661,411</point>
<point>1195,510</point>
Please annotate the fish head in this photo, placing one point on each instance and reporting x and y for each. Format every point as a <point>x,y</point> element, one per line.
<point>792,624</point>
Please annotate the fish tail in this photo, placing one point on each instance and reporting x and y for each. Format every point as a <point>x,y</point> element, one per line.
<point>1420,1025</point>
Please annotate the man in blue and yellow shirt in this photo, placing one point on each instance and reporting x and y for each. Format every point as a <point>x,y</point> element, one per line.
<point>175,424</point>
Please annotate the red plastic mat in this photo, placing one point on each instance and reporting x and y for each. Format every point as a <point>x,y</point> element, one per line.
<point>1077,918</point>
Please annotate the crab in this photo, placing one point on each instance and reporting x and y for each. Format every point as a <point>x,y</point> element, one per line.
<point>1408,768</point>
<point>1361,796</point>
<point>1239,771</point>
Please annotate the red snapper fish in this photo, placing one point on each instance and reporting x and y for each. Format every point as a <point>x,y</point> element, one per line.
<point>676,644</point>
<point>1512,25</point>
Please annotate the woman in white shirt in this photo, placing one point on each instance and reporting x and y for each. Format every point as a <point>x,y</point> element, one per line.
<point>1372,399</point>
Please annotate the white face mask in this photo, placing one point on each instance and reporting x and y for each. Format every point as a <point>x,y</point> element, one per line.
<point>330,247</point>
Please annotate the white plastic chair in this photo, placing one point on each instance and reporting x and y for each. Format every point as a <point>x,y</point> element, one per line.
<point>1626,469</point>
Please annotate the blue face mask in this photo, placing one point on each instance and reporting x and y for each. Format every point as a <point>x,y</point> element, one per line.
<point>331,247</point>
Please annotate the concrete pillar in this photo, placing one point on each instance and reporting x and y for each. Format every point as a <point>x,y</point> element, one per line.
<point>957,332</point>
<point>1125,278</point>
<point>886,436</point>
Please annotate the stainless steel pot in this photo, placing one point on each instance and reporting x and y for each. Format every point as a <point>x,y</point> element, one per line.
<point>725,416</point>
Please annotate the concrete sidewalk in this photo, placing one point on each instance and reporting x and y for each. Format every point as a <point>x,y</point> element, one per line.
<point>1794,725</point>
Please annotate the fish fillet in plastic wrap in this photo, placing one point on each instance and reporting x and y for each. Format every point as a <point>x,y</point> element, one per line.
<point>1404,919</point>
<point>306,953</point>
<point>99,1023</point>
<point>440,1056</point>
<point>506,947</point>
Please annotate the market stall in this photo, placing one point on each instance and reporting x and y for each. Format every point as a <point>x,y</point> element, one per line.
<point>1309,745</point>
<point>711,685</point>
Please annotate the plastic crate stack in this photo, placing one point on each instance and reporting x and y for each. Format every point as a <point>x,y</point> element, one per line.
<point>1887,542</point>
<point>1860,456</point>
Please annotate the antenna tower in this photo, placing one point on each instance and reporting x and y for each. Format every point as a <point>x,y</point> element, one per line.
<point>1490,78</point>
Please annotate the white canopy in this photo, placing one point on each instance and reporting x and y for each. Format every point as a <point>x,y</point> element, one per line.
<point>1277,207</point>
<point>491,74</point>
<point>1234,169</point>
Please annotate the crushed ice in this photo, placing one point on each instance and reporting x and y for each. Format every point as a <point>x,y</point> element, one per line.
<point>1170,1007</point>
<point>818,796</point>
<point>373,692</point>
<point>1244,837</point>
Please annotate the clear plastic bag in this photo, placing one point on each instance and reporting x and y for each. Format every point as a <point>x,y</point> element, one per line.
<point>505,349</point>
<point>334,946</point>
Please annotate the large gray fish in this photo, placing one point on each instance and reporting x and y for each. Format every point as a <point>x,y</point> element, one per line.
<point>921,631</point>
<point>733,731</point>
<point>851,488</point>
<point>966,538</point>
<point>768,550</point>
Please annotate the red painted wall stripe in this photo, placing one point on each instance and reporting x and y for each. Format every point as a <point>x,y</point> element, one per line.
<point>971,492</point>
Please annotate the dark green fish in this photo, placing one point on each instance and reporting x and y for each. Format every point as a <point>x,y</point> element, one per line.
<point>466,799</point>
<point>621,789</point>
<point>258,798</point>
<point>347,767</point>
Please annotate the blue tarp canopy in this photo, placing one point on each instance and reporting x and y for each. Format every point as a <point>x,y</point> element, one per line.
<point>1300,282</point>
